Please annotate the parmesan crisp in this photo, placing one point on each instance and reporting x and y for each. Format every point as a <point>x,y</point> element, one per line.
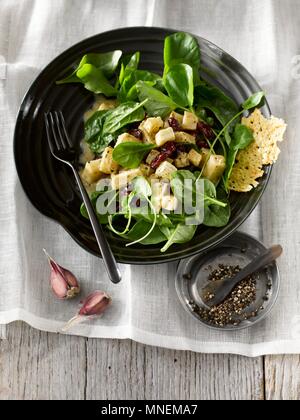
<point>262,151</point>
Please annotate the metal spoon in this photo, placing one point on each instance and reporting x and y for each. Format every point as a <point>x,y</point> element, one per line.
<point>220,289</point>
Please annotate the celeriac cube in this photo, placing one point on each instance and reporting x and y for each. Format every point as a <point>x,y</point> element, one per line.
<point>147,137</point>
<point>169,202</point>
<point>124,178</point>
<point>214,168</point>
<point>107,164</point>
<point>182,137</point>
<point>152,155</point>
<point>182,160</point>
<point>189,121</point>
<point>205,153</point>
<point>156,196</point>
<point>126,138</point>
<point>146,169</point>
<point>177,117</point>
<point>153,124</point>
<point>164,135</point>
<point>165,170</point>
<point>91,172</point>
<point>194,157</point>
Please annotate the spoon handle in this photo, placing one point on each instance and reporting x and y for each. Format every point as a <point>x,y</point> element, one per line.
<point>258,263</point>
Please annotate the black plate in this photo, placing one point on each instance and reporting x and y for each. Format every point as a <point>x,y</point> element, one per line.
<point>51,187</point>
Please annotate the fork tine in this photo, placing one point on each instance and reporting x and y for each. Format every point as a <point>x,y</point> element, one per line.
<point>60,133</point>
<point>63,125</point>
<point>54,133</point>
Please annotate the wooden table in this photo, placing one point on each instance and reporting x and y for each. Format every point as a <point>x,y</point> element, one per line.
<point>38,365</point>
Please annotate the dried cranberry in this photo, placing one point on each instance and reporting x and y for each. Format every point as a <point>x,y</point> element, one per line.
<point>136,133</point>
<point>206,130</point>
<point>158,160</point>
<point>174,123</point>
<point>202,144</point>
<point>169,148</point>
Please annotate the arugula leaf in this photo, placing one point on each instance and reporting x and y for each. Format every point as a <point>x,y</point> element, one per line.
<point>106,62</point>
<point>182,48</point>
<point>253,100</point>
<point>95,81</point>
<point>242,137</point>
<point>158,104</point>
<point>124,114</point>
<point>180,235</point>
<point>179,84</point>
<point>212,98</point>
<point>128,90</point>
<point>129,155</point>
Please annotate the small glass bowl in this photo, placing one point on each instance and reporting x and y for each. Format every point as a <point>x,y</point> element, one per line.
<point>239,249</point>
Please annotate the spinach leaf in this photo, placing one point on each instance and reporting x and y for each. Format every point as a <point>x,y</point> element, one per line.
<point>212,98</point>
<point>129,64</point>
<point>128,90</point>
<point>158,104</point>
<point>253,100</point>
<point>140,229</point>
<point>129,155</point>
<point>216,216</point>
<point>124,114</point>
<point>242,137</point>
<point>179,84</point>
<point>93,126</point>
<point>95,81</point>
<point>183,48</point>
<point>180,235</point>
<point>106,62</point>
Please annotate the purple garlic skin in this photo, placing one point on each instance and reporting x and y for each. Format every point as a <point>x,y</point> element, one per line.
<point>63,283</point>
<point>95,304</point>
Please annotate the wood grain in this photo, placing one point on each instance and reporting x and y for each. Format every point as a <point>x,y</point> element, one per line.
<point>282,377</point>
<point>38,365</point>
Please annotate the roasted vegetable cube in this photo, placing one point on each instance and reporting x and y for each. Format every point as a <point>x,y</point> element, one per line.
<point>146,169</point>
<point>169,202</point>
<point>91,172</point>
<point>165,135</point>
<point>214,168</point>
<point>182,160</point>
<point>177,117</point>
<point>194,157</point>
<point>127,138</point>
<point>107,164</point>
<point>189,121</point>
<point>165,170</point>
<point>152,155</point>
<point>182,137</point>
<point>153,125</point>
<point>124,178</point>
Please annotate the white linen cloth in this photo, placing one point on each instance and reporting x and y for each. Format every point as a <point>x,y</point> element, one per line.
<point>265,36</point>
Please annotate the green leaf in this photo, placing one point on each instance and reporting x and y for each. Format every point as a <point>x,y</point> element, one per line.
<point>128,90</point>
<point>242,137</point>
<point>253,101</point>
<point>129,64</point>
<point>140,229</point>
<point>212,98</point>
<point>158,103</point>
<point>182,48</point>
<point>129,155</point>
<point>179,84</point>
<point>180,235</point>
<point>124,114</point>
<point>106,62</point>
<point>93,126</point>
<point>216,216</point>
<point>95,81</point>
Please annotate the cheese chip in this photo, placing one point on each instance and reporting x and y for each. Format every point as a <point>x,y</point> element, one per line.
<point>262,151</point>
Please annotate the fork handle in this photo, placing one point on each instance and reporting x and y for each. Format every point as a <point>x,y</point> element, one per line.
<point>107,255</point>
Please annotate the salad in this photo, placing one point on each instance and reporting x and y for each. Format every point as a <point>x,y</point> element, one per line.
<point>151,140</point>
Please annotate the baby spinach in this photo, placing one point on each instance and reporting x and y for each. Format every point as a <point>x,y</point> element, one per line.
<point>253,101</point>
<point>216,216</point>
<point>181,234</point>
<point>124,114</point>
<point>128,90</point>
<point>106,62</point>
<point>93,134</point>
<point>212,98</point>
<point>182,48</point>
<point>158,104</point>
<point>95,81</point>
<point>242,137</point>
<point>129,64</point>
<point>179,84</point>
<point>140,229</point>
<point>129,155</point>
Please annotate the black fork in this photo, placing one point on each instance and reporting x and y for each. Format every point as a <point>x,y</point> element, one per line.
<point>62,149</point>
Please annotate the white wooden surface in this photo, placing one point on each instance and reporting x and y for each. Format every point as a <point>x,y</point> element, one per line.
<point>37,365</point>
